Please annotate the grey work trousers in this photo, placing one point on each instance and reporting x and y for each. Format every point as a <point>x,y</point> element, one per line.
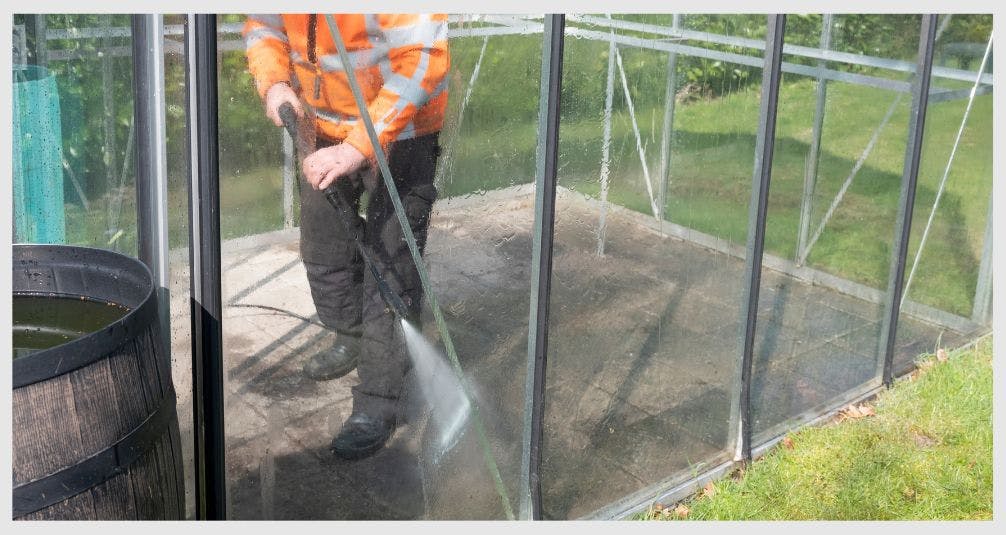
<point>345,293</point>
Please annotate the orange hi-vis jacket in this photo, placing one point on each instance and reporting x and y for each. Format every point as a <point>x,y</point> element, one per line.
<point>401,63</point>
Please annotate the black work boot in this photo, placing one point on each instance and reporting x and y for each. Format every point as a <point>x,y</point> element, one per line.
<point>335,361</point>
<point>361,436</point>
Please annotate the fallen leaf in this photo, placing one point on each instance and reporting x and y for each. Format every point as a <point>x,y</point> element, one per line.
<point>681,511</point>
<point>941,355</point>
<point>709,490</point>
<point>667,513</point>
<point>854,412</point>
<point>787,442</point>
<point>657,507</point>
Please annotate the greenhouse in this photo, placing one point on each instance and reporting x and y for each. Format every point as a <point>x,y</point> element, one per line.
<point>658,244</point>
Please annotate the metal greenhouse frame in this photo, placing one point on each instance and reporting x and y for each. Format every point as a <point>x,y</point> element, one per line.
<point>198,39</point>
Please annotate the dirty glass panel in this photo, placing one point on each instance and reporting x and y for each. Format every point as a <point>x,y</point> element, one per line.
<point>455,452</point>
<point>947,302</point>
<point>833,208</point>
<point>645,312</point>
<point>73,136</point>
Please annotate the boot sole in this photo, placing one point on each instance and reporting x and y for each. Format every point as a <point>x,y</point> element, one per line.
<point>330,375</point>
<point>360,453</point>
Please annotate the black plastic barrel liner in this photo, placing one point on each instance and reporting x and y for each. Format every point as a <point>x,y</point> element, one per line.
<point>94,427</point>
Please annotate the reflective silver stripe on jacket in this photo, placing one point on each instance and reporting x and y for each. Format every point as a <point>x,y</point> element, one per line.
<point>259,34</point>
<point>270,19</point>
<point>424,32</point>
<point>335,117</point>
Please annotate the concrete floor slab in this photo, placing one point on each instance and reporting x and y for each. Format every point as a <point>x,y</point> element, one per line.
<point>643,348</point>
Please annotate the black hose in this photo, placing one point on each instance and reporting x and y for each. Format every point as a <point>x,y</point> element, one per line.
<point>284,312</point>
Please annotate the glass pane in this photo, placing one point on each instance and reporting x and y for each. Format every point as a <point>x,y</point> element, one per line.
<point>645,312</point>
<point>75,173</point>
<point>940,309</point>
<point>282,418</point>
<point>829,237</point>
<point>74,179</point>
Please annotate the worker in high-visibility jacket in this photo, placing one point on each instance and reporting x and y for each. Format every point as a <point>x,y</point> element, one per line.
<point>401,62</point>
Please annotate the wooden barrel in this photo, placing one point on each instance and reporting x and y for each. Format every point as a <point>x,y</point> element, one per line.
<point>94,431</point>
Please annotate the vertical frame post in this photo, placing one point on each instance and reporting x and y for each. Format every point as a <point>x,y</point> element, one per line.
<point>667,131</point>
<point>909,182</point>
<point>757,212</point>
<point>150,154</point>
<point>41,40</point>
<point>204,254</point>
<point>609,94</point>
<point>541,263</point>
<point>981,312</point>
<point>814,154</point>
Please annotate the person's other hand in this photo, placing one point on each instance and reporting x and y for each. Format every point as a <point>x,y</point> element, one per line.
<point>325,166</point>
<point>277,95</point>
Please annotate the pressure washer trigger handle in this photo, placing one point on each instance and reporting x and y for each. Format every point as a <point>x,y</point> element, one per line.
<point>289,118</point>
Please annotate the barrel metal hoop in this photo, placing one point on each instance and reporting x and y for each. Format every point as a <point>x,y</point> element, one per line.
<point>85,350</point>
<point>98,468</point>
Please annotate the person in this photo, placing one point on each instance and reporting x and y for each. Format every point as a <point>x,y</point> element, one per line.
<point>401,63</point>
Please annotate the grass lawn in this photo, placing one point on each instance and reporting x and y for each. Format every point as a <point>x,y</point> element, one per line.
<point>925,455</point>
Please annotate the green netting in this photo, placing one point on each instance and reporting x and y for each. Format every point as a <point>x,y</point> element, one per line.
<point>37,157</point>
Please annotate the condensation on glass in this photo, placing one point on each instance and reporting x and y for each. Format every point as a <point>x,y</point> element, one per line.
<point>74,180</point>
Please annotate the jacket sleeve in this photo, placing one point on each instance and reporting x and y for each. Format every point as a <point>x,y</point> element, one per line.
<point>268,50</point>
<point>419,62</point>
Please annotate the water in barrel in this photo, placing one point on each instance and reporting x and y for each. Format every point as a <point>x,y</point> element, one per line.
<point>42,322</point>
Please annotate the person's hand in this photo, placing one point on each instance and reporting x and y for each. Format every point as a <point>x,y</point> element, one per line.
<point>277,95</point>
<point>325,166</point>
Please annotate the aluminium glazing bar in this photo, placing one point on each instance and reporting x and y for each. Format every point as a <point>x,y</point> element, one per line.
<point>448,156</point>
<point>981,311</point>
<point>541,261</point>
<point>152,183</point>
<point>792,50</point>
<point>943,95</point>
<point>667,129</point>
<point>757,215</point>
<point>204,258</point>
<point>813,155</point>
<point>906,203</point>
<point>41,40</point>
<point>151,158</point>
<point>743,59</point>
<point>609,94</point>
<point>639,138</point>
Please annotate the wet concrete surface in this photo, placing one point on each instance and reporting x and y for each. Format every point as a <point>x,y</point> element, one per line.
<point>642,359</point>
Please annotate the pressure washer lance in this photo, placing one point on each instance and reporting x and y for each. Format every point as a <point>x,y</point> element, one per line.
<point>346,214</point>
